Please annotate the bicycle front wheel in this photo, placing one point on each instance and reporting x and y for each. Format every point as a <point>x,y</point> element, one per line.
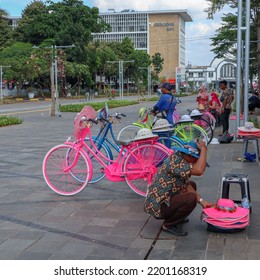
<point>141,165</point>
<point>190,131</point>
<point>66,170</point>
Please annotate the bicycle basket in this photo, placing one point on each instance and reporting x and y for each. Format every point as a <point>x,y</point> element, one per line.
<point>87,112</point>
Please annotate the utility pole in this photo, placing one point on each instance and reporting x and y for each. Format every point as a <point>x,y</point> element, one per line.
<point>1,80</point>
<point>121,75</point>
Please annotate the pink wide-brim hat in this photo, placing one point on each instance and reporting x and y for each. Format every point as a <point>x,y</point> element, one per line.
<point>228,226</point>
<point>226,209</point>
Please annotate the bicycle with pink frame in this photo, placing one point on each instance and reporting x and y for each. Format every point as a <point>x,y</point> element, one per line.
<point>67,168</point>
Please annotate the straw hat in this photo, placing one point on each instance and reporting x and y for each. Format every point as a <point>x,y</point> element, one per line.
<point>190,149</point>
<point>195,113</point>
<point>248,127</point>
<point>161,123</point>
<point>186,118</point>
<point>144,133</point>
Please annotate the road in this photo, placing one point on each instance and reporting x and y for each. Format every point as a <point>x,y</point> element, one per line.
<point>43,107</point>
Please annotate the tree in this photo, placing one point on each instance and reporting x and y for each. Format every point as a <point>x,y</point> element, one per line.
<point>5,30</point>
<point>80,72</point>
<point>224,42</point>
<point>139,69</point>
<point>157,62</point>
<point>64,23</point>
<point>25,65</point>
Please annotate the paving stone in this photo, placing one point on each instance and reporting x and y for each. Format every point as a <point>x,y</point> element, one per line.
<point>106,220</point>
<point>16,244</point>
<point>27,255</point>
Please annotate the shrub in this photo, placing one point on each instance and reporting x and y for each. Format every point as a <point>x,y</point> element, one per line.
<point>5,120</point>
<point>97,105</point>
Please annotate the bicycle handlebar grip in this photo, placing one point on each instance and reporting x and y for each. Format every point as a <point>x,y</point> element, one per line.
<point>123,115</point>
<point>118,117</point>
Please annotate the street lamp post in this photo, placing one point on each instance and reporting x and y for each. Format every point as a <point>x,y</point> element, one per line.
<point>1,80</point>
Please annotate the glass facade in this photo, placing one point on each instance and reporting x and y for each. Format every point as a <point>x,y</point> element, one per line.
<point>131,25</point>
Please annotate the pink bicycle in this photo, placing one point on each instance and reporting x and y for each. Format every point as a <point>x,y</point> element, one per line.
<point>67,168</point>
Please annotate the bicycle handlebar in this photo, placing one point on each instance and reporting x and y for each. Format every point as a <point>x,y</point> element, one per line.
<point>114,115</point>
<point>83,119</point>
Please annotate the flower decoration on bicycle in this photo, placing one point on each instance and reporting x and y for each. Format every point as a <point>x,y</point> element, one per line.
<point>88,113</point>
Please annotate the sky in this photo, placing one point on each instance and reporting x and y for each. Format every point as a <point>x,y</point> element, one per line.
<point>198,32</point>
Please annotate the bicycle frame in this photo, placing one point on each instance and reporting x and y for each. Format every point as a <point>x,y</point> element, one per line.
<point>168,134</point>
<point>114,170</point>
<point>106,128</point>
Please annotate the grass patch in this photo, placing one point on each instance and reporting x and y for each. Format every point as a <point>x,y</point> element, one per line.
<point>5,120</point>
<point>97,105</point>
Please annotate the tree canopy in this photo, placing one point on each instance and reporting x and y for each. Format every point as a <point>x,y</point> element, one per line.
<point>225,41</point>
<point>62,32</point>
<point>5,30</point>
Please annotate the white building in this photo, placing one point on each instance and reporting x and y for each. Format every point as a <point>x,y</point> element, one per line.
<point>210,76</point>
<point>152,31</point>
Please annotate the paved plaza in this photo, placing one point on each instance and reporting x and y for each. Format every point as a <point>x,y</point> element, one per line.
<point>106,220</point>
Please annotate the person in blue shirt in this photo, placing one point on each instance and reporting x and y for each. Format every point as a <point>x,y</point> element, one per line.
<point>166,104</point>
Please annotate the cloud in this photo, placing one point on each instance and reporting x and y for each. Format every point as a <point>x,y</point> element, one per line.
<point>195,7</point>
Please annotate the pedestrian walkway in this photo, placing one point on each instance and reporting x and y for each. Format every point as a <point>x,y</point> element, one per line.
<point>106,220</point>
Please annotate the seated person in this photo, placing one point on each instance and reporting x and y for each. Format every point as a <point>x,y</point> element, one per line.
<point>253,102</point>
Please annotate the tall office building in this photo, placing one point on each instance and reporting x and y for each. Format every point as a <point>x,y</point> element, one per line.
<point>153,31</point>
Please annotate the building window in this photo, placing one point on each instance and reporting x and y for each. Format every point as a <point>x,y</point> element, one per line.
<point>190,75</point>
<point>228,71</point>
<point>200,75</point>
<point>210,74</point>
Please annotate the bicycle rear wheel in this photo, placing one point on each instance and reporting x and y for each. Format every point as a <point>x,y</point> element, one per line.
<point>66,170</point>
<point>206,126</point>
<point>210,118</point>
<point>141,165</point>
<point>190,131</point>
<point>170,141</point>
<point>128,132</point>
